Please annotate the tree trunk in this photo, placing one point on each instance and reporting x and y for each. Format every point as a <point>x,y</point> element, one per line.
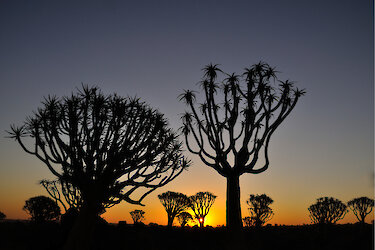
<point>363,219</point>
<point>201,222</point>
<point>234,218</point>
<point>170,220</point>
<point>81,235</point>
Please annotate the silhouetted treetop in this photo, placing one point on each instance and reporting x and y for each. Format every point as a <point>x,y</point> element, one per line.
<point>259,207</point>
<point>42,208</point>
<point>327,210</point>
<point>103,144</point>
<point>256,107</point>
<point>137,216</point>
<point>361,207</point>
<point>201,204</point>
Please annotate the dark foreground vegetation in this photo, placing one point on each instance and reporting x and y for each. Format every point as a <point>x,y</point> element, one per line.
<point>26,235</point>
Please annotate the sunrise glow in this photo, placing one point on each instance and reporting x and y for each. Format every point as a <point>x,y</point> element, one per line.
<point>186,111</point>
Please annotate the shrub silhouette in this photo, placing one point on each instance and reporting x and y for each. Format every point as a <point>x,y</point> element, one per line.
<point>2,216</point>
<point>201,204</point>
<point>153,224</point>
<point>240,126</point>
<point>249,221</point>
<point>184,218</point>
<point>327,210</point>
<point>361,207</point>
<point>42,209</point>
<point>137,216</point>
<point>102,145</point>
<point>260,212</point>
<point>174,203</point>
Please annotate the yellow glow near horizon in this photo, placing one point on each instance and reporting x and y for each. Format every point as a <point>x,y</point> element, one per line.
<point>290,202</point>
<point>292,196</point>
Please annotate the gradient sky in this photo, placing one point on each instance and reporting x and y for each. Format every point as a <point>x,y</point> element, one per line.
<point>155,49</point>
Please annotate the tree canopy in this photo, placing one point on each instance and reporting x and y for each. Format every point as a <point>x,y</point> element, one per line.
<point>137,216</point>
<point>201,204</point>
<point>255,107</point>
<point>259,207</point>
<point>42,208</point>
<point>103,144</point>
<point>327,210</point>
<point>361,207</point>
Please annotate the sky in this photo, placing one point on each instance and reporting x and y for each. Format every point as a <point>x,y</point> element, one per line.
<point>156,49</point>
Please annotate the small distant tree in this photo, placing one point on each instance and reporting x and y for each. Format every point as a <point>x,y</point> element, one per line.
<point>174,203</point>
<point>137,216</point>
<point>327,210</point>
<point>42,208</point>
<point>2,216</point>
<point>184,218</point>
<point>249,221</point>
<point>260,212</point>
<point>201,204</point>
<point>361,207</point>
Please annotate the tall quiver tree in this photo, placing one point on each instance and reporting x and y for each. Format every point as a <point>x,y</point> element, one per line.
<point>231,134</point>
<point>174,204</point>
<point>361,207</point>
<point>105,146</point>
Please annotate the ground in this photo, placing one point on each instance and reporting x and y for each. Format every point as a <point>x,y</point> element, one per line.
<point>25,235</point>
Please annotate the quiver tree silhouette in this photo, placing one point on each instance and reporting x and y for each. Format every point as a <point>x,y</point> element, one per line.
<point>70,193</point>
<point>184,218</point>
<point>174,203</point>
<point>2,216</point>
<point>137,216</point>
<point>105,146</point>
<point>42,209</point>
<point>327,210</point>
<point>260,212</point>
<point>201,204</point>
<point>361,207</point>
<point>231,134</point>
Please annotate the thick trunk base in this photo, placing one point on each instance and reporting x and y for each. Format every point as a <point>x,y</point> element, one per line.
<point>81,235</point>
<point>234,218</point>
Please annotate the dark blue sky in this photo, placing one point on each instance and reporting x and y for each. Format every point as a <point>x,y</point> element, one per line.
<point>155,49</point>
